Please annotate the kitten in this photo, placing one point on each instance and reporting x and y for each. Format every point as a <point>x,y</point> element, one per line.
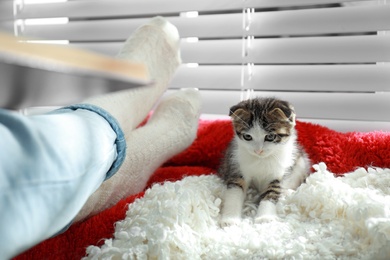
<point>263,153</point>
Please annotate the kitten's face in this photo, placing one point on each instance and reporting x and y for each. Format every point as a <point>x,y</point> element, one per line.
<point>263,125</point>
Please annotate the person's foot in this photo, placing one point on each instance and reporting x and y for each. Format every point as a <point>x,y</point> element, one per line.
<point>155,44</point>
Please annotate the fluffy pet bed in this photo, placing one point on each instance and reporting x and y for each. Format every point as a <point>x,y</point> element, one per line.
<point>342,211</point>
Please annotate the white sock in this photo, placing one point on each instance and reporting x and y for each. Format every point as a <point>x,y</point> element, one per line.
<point>155,44</point>
<point>170,130</point>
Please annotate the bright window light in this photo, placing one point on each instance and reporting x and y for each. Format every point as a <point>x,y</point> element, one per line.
<point>191,14</point>
<point>192,65</point>
<point>62,42</point>
<point>41,21</point>
<point>191,39</point>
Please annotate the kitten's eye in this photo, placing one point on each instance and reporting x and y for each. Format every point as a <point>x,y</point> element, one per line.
<point>270,137</point>
<point>247,137</point>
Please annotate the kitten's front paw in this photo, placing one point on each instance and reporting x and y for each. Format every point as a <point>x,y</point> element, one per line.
<point>266,219</point>
<point>227,222</point>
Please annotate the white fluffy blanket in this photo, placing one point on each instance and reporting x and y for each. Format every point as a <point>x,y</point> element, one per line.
<point>326,218</point>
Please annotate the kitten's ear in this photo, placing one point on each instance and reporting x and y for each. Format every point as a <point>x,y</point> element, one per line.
<point>233,109</point>
<point>237,112</point>
<point>277,112</point>
<point>288,115</point>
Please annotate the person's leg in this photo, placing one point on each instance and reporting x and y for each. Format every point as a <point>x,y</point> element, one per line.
<point>170,130</point>
<point>67,155</point>
<point>49,166</point>
<point>157,43</point>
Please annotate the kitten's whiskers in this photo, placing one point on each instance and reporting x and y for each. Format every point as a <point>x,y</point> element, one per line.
<point>275,156</point>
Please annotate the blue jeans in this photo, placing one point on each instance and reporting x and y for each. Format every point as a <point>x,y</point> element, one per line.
<point>49,165</point>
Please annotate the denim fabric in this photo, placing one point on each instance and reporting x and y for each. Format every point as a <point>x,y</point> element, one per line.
<point>49,165</point>
<point>120,137</point>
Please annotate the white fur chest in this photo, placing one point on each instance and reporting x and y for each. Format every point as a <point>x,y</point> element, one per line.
<point>262,170</point>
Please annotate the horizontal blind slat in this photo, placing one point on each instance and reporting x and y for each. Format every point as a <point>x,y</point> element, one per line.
<point>100,30</point>
<point>300,22</point>
<point>338,78</point>
<point>321,21</point>
<point>337,106</point>
<point>93,9</point>
<point>110,8</point>
<point>209,26</point>
<point>351,49</point>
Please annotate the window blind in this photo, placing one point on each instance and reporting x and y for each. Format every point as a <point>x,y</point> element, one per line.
<point>329,58</point>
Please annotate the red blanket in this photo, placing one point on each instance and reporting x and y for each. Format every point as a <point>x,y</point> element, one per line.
<point>342,152</point>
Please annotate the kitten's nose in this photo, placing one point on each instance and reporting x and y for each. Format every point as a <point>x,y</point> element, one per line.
<point>260,151</point>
